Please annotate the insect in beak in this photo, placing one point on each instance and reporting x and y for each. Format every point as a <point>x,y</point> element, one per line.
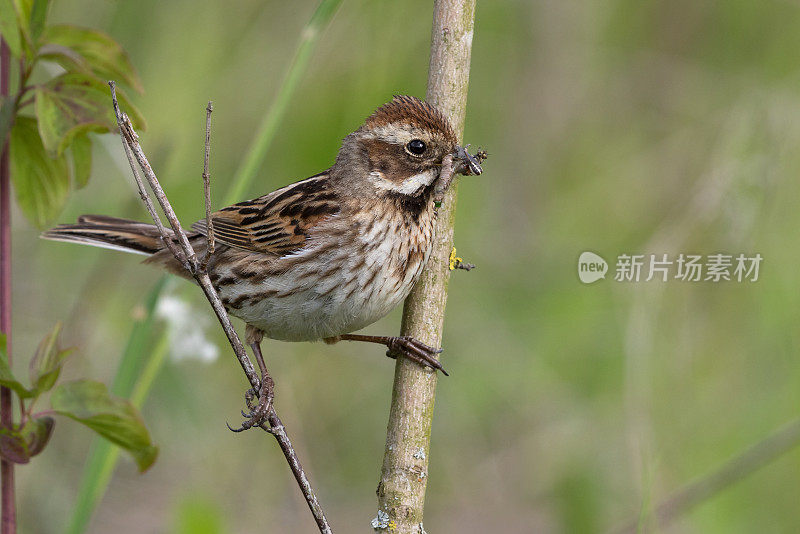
<point>466,163</point>
<point>461,162</point>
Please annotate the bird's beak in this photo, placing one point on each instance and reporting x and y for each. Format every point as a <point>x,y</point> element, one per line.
<point>465,163</point>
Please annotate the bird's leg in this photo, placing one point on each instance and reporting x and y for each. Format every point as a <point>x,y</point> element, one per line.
<point>406,346</point>
<point>266,391</point>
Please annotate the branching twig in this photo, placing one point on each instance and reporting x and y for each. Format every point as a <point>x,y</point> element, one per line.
<point>148,202</point>
<point>186,255</point>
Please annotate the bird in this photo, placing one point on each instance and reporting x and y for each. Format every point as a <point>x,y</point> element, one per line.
<point>325,256</point>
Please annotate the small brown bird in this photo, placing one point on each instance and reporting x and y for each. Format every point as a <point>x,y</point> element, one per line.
<point>328,255</point>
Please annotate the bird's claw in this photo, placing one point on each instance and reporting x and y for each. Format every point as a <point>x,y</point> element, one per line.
<point>249,396</point>
<point>259,413</point>
<point>416,351</point>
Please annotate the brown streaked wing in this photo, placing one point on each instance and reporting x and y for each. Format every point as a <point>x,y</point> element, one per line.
<point>276,223</point>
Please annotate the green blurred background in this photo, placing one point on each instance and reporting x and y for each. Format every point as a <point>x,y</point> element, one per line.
<point>617,126</point>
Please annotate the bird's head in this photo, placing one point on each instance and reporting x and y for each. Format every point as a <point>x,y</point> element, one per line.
<point>399,148</point>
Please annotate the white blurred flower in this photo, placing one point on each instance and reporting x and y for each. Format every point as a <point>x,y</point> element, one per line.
<point>186,330</point>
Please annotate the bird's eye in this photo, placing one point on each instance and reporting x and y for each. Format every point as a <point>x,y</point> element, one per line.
<point>416,147</point>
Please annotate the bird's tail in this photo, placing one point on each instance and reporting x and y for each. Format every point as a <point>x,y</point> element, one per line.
<point>109,232</point>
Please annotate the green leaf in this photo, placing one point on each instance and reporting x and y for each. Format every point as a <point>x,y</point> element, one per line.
<point>7,378</point>
<point>7,109</point>
<point>13,446</point>
<point>41,182</point>
<point>73,104</point>
<point>37,432</point>
<point>38,17</point>
<point>89,402</point>
<point>64,56</point>
<point>45,366</point>
<point>21,444</point>
<point>24,8</point>
<point>81,159</point>
<point>107,58</point>
<point>8,26</point>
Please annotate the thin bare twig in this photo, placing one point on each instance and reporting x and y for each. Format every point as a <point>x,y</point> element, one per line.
<point>151,209</point>
<point>189,259</point>
<point>207,192</point>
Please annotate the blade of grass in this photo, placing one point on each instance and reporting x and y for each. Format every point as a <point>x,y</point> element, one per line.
<point>137,344</point>
<point>269,125</point>
<point>103,456</point>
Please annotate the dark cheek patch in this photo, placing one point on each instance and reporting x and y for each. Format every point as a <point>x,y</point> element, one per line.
<point>390,160</point>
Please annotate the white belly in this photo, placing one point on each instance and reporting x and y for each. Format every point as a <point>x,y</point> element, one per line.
<point>328,291</point>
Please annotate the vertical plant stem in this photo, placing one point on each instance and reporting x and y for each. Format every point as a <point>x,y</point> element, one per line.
<point>9,511</point>
<point>401,491</point>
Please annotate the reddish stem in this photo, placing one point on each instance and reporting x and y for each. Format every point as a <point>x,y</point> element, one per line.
<point>8,514</point>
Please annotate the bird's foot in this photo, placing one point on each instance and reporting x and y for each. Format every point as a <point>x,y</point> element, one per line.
<point>405,346</point>
<point>416,351</point>
<point>259,411</point>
